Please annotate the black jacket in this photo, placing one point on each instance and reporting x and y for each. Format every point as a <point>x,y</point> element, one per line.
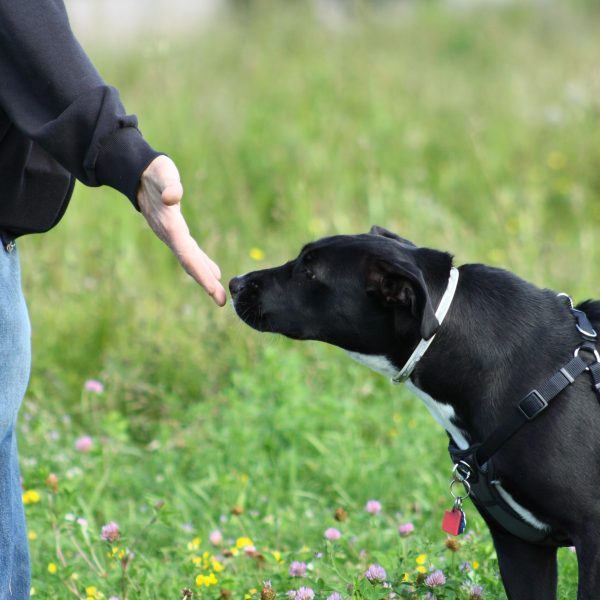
<point>58,121</point>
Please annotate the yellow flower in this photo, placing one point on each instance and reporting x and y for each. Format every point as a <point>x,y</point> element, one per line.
<point>243,542</point>
<point>31,497</point>
<point>206,580</point>
<point>277,556</point>
<point>217,567</point>
<point>256,254</point>
<point>93,593</point>
<point>250,593</point>
<point>197,560</point>
<point>475,564</point>
<point>194,544</point>
<point>421,569</point>
<point>32,536</point>
<point>420,560</point>
<point>405,577</point>
<point>32,591</point>
<point>52,568</point>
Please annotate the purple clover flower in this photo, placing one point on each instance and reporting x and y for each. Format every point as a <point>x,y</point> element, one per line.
<point>436,579</point>
<point>375,573</point>
<point>110,532</point>
<point>335,596</point>
<point>297,569</point>
<point>93,385</point>
<point>406,529</point>
<point>333,534</point>
<point>476,592</point>
<point>373,507</point>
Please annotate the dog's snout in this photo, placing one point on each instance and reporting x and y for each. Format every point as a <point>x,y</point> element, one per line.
<point>237,284</point>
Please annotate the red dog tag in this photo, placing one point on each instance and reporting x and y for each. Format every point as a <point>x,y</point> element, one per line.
<point>452,521</point>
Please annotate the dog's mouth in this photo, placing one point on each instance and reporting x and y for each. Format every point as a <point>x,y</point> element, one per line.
<point>246,299</point>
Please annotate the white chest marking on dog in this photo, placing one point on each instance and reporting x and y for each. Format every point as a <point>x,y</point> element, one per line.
<point>520,510</point>
<point>442,413</point>
<point>378,363</point>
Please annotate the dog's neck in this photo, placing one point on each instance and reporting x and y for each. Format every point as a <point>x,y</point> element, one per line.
<point>495,345</point>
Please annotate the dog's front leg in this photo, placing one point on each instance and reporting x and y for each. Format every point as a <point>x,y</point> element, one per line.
<point>528,571</point>
<point>588,558</point>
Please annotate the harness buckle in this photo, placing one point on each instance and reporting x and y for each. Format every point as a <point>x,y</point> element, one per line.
<point>532,405</point>
<point>588,347</point>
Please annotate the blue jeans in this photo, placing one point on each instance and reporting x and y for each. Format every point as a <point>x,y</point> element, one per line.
<point>15,361</point>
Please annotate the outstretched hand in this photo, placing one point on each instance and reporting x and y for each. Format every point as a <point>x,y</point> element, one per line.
<point>159,198</point>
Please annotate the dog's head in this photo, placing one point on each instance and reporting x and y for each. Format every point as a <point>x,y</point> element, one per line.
<point>364,293</point>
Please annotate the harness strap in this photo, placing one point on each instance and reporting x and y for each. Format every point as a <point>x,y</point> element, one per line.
<point>537,400</point>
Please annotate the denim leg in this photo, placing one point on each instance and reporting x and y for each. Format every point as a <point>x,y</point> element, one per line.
<point>15,360</point>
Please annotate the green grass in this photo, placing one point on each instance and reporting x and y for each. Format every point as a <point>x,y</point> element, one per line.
<point>474,131</point>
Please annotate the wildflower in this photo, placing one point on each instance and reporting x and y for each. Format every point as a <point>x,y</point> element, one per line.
<point>476,592</point>
<point>110,532</point>
<point>429,596</point>
<point>31,497</point>
<point>335,596</point>
<point>194,544</point>
<point>297,569</point>
<point>249,595</point>
<point>82,522</point>
<point>420,560</point>
<point>332,534</point>
<point>452,545</point>
<point>340,515</point>
<point>114,598</point>
<point>466,566</point>
<point>250,550</point>
<point>32,536</point>
<point>94,386</point>
<point>406,529</point>
<point>421,569</point>
<point>475,565</point>
<point>52,568</point>
<point>277,556</point>
<point>84,444</point>
<point>215,537</point>
<point>373,507</point>
<point>267,592</point>
<point>92,592</point>
<point>243,542</point>
<point>217,566</point>
<point>256,254</point>
<point>187,594</point>
<point>206,580</point>
<point>435,579</point>
<point>52,482</point>
<point>405,578</point>
<point>375,573</point>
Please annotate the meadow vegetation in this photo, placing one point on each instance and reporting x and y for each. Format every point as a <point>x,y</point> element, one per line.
<point>222,455</point>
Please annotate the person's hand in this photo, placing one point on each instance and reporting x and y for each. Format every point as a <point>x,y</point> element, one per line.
<point>159,197</point>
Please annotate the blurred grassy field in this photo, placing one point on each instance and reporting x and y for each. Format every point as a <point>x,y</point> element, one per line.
<point>474,131</point>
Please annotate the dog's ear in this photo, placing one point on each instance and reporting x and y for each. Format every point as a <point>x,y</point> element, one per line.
<point>382,231</point>
<point>401,284</point>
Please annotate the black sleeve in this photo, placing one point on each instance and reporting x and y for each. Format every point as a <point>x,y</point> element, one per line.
<point>54,95</point>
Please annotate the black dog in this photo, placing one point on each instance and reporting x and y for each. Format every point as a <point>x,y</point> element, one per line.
<point>534,473</point>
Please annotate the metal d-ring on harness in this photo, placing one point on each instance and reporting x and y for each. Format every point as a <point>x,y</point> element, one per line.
<point>474,468</point>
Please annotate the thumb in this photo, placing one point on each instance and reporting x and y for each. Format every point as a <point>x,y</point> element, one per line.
<point>172,193</point>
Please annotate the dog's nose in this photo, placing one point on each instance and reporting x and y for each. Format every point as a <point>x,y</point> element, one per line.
<point>236,285</point>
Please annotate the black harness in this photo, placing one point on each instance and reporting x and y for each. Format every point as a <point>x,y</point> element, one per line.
<point>475,466</point>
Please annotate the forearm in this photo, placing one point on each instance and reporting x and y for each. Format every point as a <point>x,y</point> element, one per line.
<point>55,96</point>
